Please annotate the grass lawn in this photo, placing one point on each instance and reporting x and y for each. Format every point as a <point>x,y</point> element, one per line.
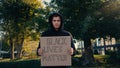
<point>35,63</point>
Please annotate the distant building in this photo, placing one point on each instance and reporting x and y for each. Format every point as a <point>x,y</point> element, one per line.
<point>101,41</point>
<point>102,45</point>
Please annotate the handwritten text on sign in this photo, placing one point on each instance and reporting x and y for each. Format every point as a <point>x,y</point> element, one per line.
<point>55,51</point>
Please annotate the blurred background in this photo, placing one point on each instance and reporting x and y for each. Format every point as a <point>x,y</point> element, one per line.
<point>94,24</point>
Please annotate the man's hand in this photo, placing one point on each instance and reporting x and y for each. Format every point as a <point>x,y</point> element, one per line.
<point>40,51</point>
<point>70,51</point>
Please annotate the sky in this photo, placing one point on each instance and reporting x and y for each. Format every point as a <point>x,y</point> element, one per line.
<point>47,0</point>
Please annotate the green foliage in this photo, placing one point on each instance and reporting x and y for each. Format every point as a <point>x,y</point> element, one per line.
<point>22,17</point>
<point>17,16</point>
<point>114,57</point>
<point>77,15</point>
<point>91,18</point>
<point>5,46</point>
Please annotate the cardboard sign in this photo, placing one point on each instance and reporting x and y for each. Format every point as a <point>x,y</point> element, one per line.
<point>55,51</point>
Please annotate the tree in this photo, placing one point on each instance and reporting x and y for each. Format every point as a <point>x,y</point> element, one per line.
<point>17,16</point>
<point>108,19</point>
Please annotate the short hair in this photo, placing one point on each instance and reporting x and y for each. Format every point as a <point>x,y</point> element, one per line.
<point>55,15</point>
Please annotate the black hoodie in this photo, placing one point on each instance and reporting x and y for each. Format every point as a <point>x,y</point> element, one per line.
<point>52,32</point>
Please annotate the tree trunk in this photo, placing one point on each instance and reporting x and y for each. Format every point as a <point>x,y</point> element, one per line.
<point>87,56</point>
<point>117,40</point>
<point>19,48</point>
<point>11,49</point>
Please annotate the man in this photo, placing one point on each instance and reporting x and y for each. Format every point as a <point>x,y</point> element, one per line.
<point>56,23</point>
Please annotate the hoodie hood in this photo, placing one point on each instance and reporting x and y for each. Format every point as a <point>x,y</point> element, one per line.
<point>56,15</point>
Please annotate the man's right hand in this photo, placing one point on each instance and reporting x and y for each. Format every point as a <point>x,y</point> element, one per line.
<point>40,51</point>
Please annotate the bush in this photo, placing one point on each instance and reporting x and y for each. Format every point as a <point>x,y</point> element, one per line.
<point>114,57</point>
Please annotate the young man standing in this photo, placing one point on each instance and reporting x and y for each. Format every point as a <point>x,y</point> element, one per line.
<point>56,23</point>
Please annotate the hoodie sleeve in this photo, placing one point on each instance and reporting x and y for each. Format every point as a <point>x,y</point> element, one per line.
<point>39,46</point>
<point>72,44</point>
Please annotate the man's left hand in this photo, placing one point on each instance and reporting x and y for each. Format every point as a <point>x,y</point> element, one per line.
<point>70,51</point>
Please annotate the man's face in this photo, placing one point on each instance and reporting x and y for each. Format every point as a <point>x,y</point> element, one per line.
<point>56,22</point>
